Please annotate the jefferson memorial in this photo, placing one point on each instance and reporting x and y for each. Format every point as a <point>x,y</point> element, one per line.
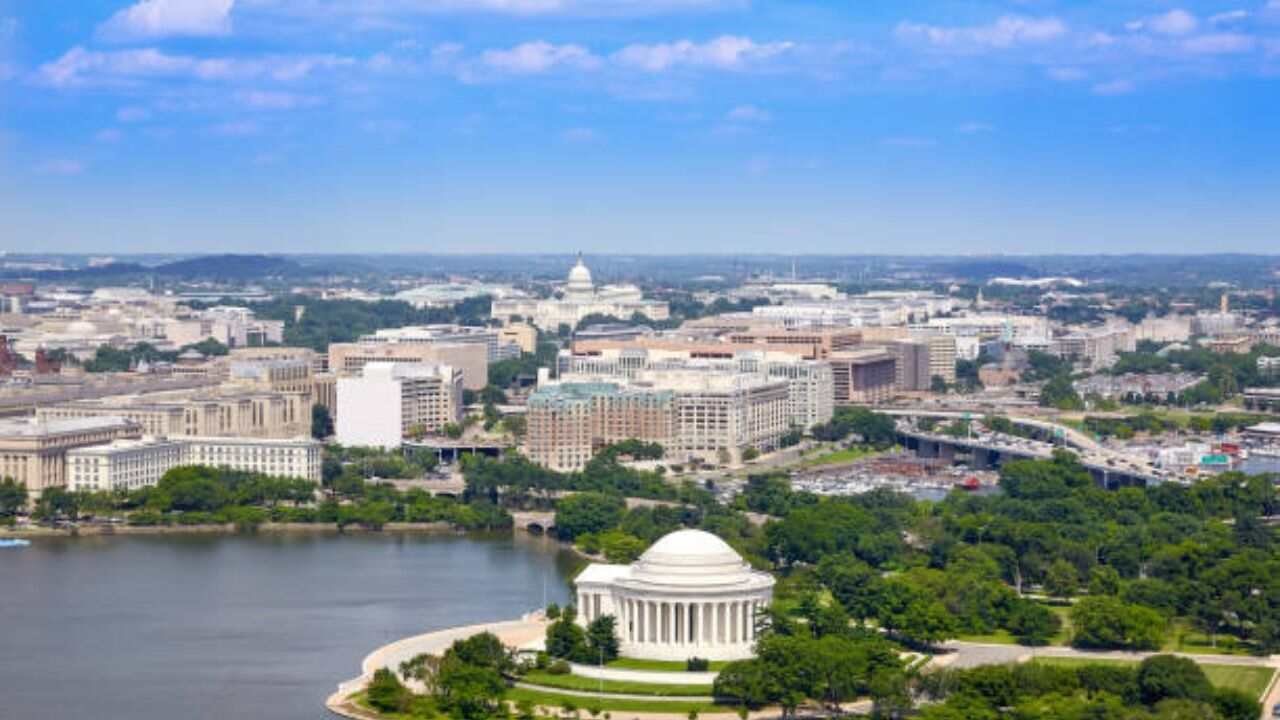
<point>689,595</point>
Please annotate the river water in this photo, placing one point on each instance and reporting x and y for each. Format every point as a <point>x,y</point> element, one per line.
<point>260,627</point>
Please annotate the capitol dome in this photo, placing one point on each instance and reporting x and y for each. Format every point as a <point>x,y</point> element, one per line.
<point>580,278</point>
<point>689,595</point>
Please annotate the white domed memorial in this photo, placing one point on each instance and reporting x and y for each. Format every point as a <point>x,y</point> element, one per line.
<point>689,595</point>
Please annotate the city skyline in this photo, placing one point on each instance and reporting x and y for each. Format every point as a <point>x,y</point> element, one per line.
<point>664,126</point>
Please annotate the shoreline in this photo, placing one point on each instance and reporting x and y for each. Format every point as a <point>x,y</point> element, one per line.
<point>229,529</point>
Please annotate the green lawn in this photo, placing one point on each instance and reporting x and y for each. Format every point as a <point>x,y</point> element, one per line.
<point>550,699</point>
<point>625,687</point>
<point>658,665</point>
<point>1183,639</point>
<point>1249,679</point>
<point>837,457</point>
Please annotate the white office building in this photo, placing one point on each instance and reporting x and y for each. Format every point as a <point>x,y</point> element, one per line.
<point>390,400</point>
<point>122,464</point>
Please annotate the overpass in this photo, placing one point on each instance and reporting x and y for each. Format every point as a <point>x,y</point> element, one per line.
<point>987,450</point>
<point>534,521</point>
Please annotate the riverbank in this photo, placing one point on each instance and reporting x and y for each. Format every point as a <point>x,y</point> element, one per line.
<point>526,632</point>
<point>36,531</point>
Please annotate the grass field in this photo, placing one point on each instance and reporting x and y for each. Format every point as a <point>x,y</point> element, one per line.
<point>626,687</point>
<point>658,665</point>
<point>837,457</point>
<point>1248,679</point>
<point>550,699</point>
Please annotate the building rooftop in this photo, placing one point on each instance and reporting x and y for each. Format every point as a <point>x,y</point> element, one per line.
<point>31,427</point>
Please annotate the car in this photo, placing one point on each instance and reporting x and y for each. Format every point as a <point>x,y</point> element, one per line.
<point>1275,711</point>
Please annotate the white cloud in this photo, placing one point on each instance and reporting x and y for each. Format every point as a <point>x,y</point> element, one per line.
<point>727,52</point>
<point>1114,87</point>
<point>1174,22</point>
<point>235,128</point>
<point>1226,18</point>
<point>169,18</point>
<point>108,135</point>
<point>1066,74</point>
<point>60,167</point>
<point>79,66</point>
<point>384,11</point>
<point>275,100</point>
<point>132,114</point>
<point>1006,32</point>
<point>538,57</point>
<point>748,114</point>
<point>974,128</point>
<point>1220,44</point>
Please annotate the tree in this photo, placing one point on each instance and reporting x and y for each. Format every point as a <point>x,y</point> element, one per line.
<point>57,502</point>
<point>1104,580</point>
<point>750,454</point>
<point>938,384</point>
<point>386,693</point>
<point>470,692</point>
<point>1162,677</point>
<point>1059,393</point>
<point>1033,624</point>
<point>321,422</point>
<point>587,512</point>
<point>1061,579</point>
<point>565,638</point>
<point>602,639</point>
<point>13,497</point>
<point>1108,622</point>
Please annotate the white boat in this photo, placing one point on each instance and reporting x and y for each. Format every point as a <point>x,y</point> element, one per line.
<point>13,542</point>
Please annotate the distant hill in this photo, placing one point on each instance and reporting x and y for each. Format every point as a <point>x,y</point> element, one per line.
<point>226,268</point>
<point>230,267</point>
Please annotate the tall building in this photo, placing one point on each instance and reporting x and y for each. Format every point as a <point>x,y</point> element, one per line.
<point>863,376</point>
<point>694,415</point>
<point>569,422</point>
<point>810,390</point>
<point>495,347</point>
<point>390,400</point>
<point>580,298</point>
<point>471,359</point>
<point>33,451</point>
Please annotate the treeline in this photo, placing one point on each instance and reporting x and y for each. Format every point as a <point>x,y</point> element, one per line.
<point>1227,374</point>
<point>872,428</point>
<point>329,321</point>
<point>517,482</point>
<point>200,495</point>
<point>110,359</point>
<point>1162,687</point>
<point>1145,558</point>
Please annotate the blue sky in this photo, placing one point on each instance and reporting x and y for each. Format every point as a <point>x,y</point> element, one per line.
<point>662,126</point>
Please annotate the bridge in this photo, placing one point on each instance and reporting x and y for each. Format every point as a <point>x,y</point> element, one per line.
<point>534,521</point>
<point>986,450</point>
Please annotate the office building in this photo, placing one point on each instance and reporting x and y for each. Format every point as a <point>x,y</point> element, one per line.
<point>389,401</point>
<point>33,451</point>
<point>863,376</point>
<point>122,464</point>
<point>471,358</point>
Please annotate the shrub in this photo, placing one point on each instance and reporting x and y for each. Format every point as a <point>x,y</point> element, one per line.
<point>697,664</point>
<point>559,667</point>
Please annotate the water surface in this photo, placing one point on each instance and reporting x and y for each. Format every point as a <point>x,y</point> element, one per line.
<point>261,627</point>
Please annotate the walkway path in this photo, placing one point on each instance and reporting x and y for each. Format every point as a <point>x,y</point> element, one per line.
<point>617,696</point>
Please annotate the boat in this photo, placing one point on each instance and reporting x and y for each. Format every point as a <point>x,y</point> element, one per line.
<point>13,542</point>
